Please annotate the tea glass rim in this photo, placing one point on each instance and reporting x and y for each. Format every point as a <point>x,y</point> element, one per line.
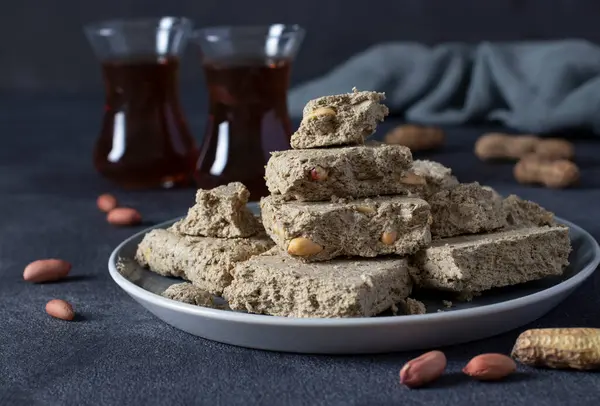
<point>97,27</point>
<point>204,32</point>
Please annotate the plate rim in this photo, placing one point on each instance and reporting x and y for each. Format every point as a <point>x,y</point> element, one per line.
<point>250,318</point>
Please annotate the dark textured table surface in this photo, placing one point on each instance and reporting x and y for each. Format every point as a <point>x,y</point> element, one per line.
<point>116,353</point>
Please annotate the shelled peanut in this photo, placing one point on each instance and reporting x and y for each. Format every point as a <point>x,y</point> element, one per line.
<point>575,348</point>
<point>490,367</point>
<point>505,146</point>
<point>106,202</point>
<point>416,137</point>
<point>423,369</point>
<point>124,216</point>
<point>60,309</point>
<point>46,270</point>
<point>550,173</point>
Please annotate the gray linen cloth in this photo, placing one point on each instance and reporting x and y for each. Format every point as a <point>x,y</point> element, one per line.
<point>537,87</point>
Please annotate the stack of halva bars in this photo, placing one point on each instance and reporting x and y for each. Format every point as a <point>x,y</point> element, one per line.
<point>351,229</point>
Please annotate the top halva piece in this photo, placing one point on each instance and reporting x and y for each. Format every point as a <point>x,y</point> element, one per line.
<point>345,119</point>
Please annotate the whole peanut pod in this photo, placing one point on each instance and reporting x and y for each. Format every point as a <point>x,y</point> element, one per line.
<point>553,174</point>
<point>416,137</point>
<point>505,146</point>
<point>577,348</point>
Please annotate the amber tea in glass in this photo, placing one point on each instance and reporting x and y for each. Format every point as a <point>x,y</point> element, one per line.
<point>144,139</point>
<point>247,72</point>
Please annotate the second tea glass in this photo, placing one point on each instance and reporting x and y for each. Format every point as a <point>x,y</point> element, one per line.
<point>247,72</point>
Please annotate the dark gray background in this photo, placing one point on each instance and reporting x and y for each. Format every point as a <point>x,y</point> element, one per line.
<point>42,45</point>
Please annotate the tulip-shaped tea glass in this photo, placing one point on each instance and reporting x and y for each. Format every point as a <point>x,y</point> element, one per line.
<point>144,141</point>
<point>247,71</point>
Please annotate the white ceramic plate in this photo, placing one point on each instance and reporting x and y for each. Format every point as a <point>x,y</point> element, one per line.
<point>496,312</point>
